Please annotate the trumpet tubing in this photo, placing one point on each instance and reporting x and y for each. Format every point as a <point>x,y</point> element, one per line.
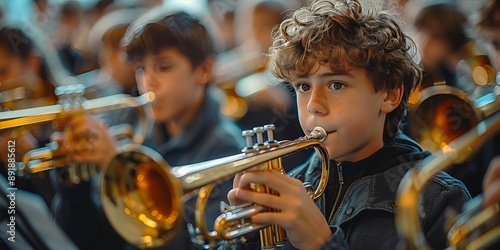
<point>67,108</point>
<point>141,194</point>
<point>51,156</point>
<point>468,231</point>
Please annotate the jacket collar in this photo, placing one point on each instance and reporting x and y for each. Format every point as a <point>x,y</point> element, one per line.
<point>377,189</point>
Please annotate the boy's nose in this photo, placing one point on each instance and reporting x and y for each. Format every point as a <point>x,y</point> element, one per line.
<point>149,81</point>
<point>317,103</point>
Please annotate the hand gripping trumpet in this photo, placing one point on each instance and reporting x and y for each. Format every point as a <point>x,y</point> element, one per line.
<point>71,103</point>
<point>142,196</point>
<point>475,228</point>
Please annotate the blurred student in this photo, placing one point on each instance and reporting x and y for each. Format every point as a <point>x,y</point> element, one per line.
<point>173,56</point>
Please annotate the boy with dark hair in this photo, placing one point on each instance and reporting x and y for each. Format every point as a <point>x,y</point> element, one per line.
<point>173,56</point>
<point>352,68</point>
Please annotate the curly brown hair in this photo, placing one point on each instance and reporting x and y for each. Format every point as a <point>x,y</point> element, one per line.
<point>343,35</point>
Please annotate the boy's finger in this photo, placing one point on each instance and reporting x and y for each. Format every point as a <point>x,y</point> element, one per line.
<point>272,179</point>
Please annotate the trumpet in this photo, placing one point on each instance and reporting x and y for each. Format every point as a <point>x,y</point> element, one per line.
<point>142,195</point>
<point>71,103</point>
<point>475,228</point>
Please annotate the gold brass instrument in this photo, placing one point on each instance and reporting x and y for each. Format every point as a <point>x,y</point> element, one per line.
<point>229,68</point>
<point>442,113</point>
<point>71,103</point>
<point>142,196</point>
<point>23,92</point>
<point>474,229</point>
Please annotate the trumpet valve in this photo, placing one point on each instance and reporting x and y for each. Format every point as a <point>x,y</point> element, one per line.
<point>70,96</point>
<point>248,135</point>
<point>309,189</point>
<point>259,131</point>
<point>236,222</point>
<point>271,142</point>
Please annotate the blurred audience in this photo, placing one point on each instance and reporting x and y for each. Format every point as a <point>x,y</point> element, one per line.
<point>68,29</point>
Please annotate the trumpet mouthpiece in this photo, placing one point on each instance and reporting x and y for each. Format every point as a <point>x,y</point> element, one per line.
<point>318,133</point>
<point>150,96</point>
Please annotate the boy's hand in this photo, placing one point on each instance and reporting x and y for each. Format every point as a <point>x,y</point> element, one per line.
<point>304,223</point>
<point>87,140</point>
<point>491,183</point>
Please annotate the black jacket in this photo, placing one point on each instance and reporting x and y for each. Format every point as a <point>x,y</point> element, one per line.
<point>364,217</point>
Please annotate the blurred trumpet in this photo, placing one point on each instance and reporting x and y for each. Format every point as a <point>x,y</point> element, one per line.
<point>71,103</point>
<point>476,228</point>
<point>229,68</point>
<point>23,92</point>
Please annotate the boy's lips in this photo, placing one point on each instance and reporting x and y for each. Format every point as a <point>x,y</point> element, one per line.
<point>327,131</point>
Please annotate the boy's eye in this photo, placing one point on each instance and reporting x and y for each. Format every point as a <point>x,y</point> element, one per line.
<point>302,87</point>
<point>162,67</point>
<point>337,85</point>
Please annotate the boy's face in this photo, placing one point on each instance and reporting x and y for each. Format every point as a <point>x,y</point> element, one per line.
<point>177,86</point>
<point>346,105</point>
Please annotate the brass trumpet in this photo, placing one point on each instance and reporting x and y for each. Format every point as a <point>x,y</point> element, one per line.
<point>71,104</point>
<point>475,228</point>
<point>142,195</point>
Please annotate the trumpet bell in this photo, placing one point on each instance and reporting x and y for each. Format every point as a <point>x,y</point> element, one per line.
<point>138,185</point>
<point>442,114</point>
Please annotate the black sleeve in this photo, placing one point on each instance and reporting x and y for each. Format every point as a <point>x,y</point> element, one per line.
<point>436,203</point>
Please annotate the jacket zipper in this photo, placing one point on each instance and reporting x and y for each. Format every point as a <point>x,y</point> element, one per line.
<point>341,182</point>
<point>342,201</point>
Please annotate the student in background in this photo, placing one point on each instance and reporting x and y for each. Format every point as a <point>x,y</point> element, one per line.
<point>173,55</point>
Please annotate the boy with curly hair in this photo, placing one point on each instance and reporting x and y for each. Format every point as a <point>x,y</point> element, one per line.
<point>353,70</point>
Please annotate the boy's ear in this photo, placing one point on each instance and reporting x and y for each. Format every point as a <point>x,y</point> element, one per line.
<point>205,70</point>
<point>392,99</point>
